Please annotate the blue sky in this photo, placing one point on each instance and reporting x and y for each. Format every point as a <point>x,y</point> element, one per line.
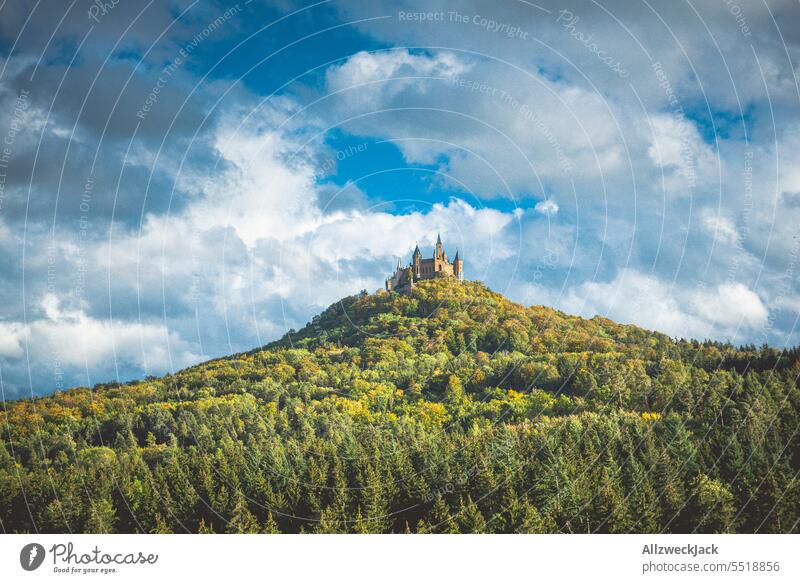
<point>184,180</point>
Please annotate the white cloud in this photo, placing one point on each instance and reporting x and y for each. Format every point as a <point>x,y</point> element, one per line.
<point>371,79</point>
<point>80,340</point>
<point>498,129</point>
<point>11,338</point>
<point>677,147</point>
<point>546,207</point>
<point>719,226</point>
<point>70,340</point>
<point>268,192</point>
<point>729,306</point>
<point>725,310</point>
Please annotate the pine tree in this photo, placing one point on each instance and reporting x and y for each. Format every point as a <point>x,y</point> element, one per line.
<point>441,520</point>
<point>242,520</point>
<point>102,517</point>
<point>469,518</point>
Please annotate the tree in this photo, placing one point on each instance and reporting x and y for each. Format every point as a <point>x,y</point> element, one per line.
<point>242,520</point>
<point>714,506</point>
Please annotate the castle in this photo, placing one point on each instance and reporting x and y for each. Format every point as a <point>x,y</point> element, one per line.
<point>403,279</point>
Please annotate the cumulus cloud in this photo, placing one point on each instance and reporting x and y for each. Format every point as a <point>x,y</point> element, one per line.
<point>677,147</point>
<point>728,310</point>
<point>11,335</point>
<point>81,341</point>
<point>496,128</point>
<point>66,341</point>
<point>372,79</point>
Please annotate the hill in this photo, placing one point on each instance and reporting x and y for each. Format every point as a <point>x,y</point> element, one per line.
<point>450,410</point>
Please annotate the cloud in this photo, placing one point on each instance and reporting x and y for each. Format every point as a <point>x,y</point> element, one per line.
<point>11,340</point>
<point>77,340</point>
<point>720,227</point>
<point>67,341</point>
<point>546,207</point>
<point>676,146</point>
<point>373,79</point>
<point>496,129</point>
<point>728,310</point>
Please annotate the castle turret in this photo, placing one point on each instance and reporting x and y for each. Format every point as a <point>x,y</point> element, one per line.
<point>416,262</point>
<point>458,267</point>
<point>438,253</point>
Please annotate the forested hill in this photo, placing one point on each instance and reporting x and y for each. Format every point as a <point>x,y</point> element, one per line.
<point>451,410</point>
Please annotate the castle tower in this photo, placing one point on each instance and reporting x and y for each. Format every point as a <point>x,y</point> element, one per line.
<point>416,262</point>
<point>438,253</point>
<point>458,267</point>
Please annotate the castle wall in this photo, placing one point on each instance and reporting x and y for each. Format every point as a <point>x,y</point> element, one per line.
<point>430,268</point>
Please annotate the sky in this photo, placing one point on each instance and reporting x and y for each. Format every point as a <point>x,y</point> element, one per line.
<point>184,180</point>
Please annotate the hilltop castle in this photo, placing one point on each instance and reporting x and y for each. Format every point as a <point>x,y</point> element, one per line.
<point>404,278</point>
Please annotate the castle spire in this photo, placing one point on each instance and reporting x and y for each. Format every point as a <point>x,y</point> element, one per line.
<point>438,239</point>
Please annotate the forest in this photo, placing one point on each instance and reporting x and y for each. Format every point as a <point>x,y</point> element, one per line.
<point>451,410</point>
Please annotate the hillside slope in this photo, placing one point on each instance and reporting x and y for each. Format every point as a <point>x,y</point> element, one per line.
<point>452,410</point>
